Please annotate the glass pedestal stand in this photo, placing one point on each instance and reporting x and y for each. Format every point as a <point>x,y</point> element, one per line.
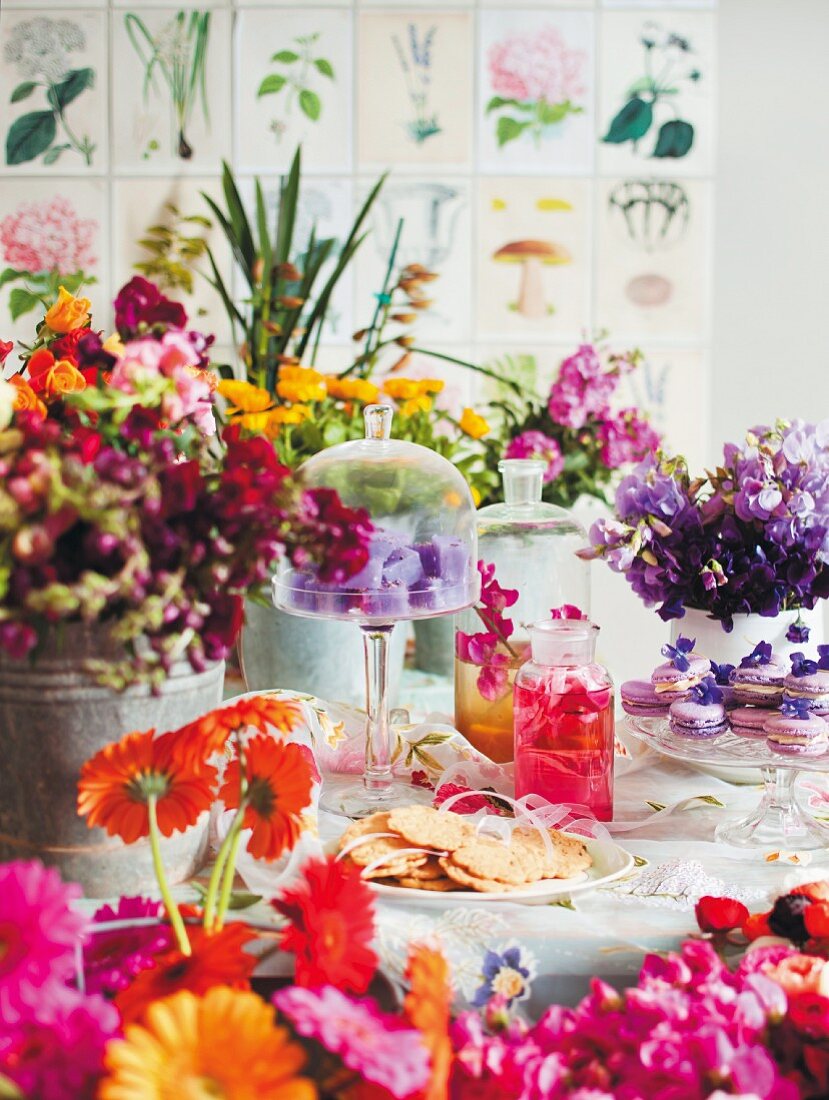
<point>778,820</point>
<point>378,788</point>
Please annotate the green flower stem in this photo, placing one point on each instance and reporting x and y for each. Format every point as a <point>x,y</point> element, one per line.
<point>216,877</point>
<point>158,866</point>
<point>514,386</point>
<point>235,837</point>
<point>384,294</point>
<point>226,856</point>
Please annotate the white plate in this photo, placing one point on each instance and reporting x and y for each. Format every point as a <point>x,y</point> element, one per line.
<point>610,862</point>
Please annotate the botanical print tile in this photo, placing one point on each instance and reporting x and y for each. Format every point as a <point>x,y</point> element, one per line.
<point>535,110</point>
<point>11,5</point>
<point>142,203</point>
<point>672,385</point>
<point>294,86</point>
<point>652,237</point>
<point>171,90</point>
<point>288,4</point>
<point>659,3</point>
<point>414,88</point>
<point>436,219</point>
<point>546,4</point>
<point>53,77</point>
<point>656,109</point>
<point>533,267</point>
<point>50,229</point>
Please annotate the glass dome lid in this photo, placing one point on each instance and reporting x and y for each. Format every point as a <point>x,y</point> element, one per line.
<point>423,551</point>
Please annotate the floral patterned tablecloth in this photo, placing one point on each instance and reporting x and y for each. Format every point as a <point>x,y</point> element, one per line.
<point>665,815</point>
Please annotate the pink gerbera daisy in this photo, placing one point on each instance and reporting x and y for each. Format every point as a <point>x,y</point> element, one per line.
<point>63,1056</point>
<point>360,1034</point>
<point>39,934</point>
<point>112,959</point>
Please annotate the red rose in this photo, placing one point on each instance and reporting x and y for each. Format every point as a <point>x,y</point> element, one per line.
<point>141,302</point>
<point>86,442</point>
<point>66,346</point>
<point>809,1014</point>
<point>719,914</point>
<point>180,486</point>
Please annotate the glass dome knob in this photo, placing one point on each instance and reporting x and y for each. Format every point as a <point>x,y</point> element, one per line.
<point>378,420</point>
<point>523,479</point>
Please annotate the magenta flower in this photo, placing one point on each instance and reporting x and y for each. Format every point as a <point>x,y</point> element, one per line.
<point>61,1056</point>
<point>626,437</point>
<point>39,934</point>
<point>534,444</point>
<point>582,390</point>
<point>112,959</point>
<point>379,1047</point>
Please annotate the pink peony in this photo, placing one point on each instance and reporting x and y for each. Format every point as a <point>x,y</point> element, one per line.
<point>533,444</point>
<point>62,1056</point>
<point>112,959</point>
<point>39,934</point>
<point>48,236</point>
<point>537,65</point>
<point>379,1047</point>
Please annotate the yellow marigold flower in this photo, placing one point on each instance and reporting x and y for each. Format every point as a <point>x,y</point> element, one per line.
<point>431,385</point>
<point>351,389</point>
<point>255,422</point>
<point>300,384</point>
<point>420,403</point>
<point>224,1044</point>
<point>114,345</point>
<point>401,389</point>
<point>68,312</point>
<point>472,424</point>
<point>244,396</point>
<point>282,415</point>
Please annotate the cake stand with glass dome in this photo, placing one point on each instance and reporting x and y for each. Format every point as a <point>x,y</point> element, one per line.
<point>422,563</point>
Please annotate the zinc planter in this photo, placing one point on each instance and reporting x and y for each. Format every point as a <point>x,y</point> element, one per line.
<point>322,657</point>
<point>53,718</point>
<point>435,645</point>
<point>713,642</point>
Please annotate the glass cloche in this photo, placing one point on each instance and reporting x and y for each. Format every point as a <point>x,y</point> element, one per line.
<point>422,563</point>
<point>532,546</point>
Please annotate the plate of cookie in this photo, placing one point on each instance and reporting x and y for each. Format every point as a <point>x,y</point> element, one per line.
<point>434,856</point>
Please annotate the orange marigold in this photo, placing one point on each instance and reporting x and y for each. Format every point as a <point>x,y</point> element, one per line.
<point>218,958</point>
<point>116,784</point>
<point>279,781</point>
<point>426,1007</point>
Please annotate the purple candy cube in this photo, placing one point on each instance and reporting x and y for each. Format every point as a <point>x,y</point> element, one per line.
<point>403,566</point>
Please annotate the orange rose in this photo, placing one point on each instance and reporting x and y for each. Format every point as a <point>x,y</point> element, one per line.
<point>64,377</point>
<point>26,399</point>
<point>797,973</point>
<point>68,312</point>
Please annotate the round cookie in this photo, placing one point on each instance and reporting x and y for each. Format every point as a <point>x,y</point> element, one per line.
<point>490,859</point>
<point>793,736</point>
<point>426,827</point>
<point>568,857</point>
<point>472,882</point>
<point>694,719</point>
<point>441,885</point>
<point>750,721</point>
<point>375,847</point>
<point>429,870</point>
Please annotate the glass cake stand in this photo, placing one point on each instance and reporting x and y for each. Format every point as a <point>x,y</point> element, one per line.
<point>778,820</point>
<point>422,563</point>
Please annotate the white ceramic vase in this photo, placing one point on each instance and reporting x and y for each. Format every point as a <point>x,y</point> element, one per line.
<point>729,648</point>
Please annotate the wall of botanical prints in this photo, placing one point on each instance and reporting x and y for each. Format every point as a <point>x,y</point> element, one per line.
<point>552,162</point>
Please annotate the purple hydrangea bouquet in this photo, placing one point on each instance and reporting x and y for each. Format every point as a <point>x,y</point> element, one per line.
<point>751,537</point>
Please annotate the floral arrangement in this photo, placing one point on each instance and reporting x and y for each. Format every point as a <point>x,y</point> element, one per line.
<point>577,431</point>
<point>753,536</point>
<point>121,503</point>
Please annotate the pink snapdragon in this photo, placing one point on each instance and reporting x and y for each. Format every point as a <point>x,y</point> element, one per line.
<point>583,388</point>
<point>534,444</point>
<point>627,437</point>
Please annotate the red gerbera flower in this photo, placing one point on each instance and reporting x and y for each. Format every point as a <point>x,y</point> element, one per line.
<point>116,785</point>
<point>218,958</point>
<point>279,785</point>
<point>331,915</point>
<point>198,740</point>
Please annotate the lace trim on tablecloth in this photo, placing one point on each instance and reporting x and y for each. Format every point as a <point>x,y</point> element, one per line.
<point>679,884</point>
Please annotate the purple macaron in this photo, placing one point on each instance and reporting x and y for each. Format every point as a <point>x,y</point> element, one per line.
<point>702,714</point>
<point>796,731</point>
<point>682,671</point>
<point>639,698</point>
<point>808,680</point>
<point>750,721</point>
<point>759,677</point>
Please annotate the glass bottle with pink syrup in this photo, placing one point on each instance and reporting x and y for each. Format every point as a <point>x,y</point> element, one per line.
<point>563,717</point>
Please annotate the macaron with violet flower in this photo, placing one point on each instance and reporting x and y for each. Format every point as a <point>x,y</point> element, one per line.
<point>640,699</point>
<point>796,731</point>
<point>721,674</point>
<point>758,679</point>
<point>809,680</point>
<point>750,721</point>
<point>702,714</point>
<point>682,671</point>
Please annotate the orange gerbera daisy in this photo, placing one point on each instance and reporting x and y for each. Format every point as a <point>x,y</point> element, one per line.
<point>117,783</point>
<point>426,1007</point>
<point>218,958</point>
<point>197,741</point>
<point>225,1044</point>
<point>279,783</point>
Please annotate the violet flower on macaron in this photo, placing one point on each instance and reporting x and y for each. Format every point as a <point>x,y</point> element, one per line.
<point>760,655</point>
<point>802,666</point>
<point>678,654</point>
<point>707,692</point>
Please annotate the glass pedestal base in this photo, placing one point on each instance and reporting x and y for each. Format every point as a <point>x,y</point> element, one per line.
<point>348,796</point>
<point>777,821</point>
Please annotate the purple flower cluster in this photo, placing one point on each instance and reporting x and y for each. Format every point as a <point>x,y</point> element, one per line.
<point>754,537</point>
<point>582,390</point>
<point>688,1028</point>
<point>532,444</point>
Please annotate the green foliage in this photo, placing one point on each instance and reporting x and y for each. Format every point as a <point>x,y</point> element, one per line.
<point>631,123</point>
<point>174,250</point>
<point>34,134</point>
<point>300,67</point>
<point>40,288</point>
<point>538,117</point>
<point>675,139</point>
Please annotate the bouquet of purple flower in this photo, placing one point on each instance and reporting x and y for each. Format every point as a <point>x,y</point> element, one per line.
<point>752,537</point>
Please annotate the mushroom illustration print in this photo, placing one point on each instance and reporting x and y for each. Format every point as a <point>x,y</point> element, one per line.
<point>532,255</point>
